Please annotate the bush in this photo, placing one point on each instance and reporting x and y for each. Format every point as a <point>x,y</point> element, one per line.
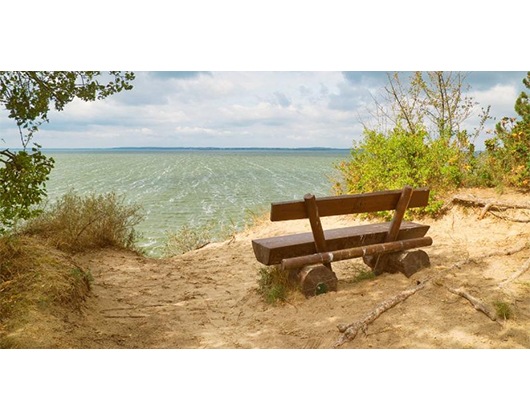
<point>75,223</point>
<point>391,161</point>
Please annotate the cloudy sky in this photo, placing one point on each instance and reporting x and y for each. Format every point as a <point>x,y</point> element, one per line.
<point>243,109</point>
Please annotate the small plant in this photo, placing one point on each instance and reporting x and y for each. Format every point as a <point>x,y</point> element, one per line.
<point>503,310</point>
<point>273,284</point>
<point>363,274</point>
<point>189,238</point>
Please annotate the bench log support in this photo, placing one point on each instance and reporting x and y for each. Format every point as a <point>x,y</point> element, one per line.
<point>346,254</point>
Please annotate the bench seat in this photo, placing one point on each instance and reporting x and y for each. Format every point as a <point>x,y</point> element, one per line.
<point>271,251</point>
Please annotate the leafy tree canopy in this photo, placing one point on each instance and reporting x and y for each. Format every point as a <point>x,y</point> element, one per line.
<point>28,96</point>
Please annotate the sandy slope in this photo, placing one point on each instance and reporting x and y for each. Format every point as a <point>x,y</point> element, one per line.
<point>207,298</point>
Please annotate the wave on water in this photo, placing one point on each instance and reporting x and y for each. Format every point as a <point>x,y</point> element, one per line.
<point>194,188</point>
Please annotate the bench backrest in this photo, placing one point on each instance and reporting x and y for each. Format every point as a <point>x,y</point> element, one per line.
<point>348,204</point>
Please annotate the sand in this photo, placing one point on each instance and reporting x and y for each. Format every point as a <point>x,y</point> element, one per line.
<point>207,298</point>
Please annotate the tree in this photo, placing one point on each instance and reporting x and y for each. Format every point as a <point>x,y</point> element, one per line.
<point>509,150</point>
<point>28,96</point>
<point>434,101</point>
<point>420,139</point>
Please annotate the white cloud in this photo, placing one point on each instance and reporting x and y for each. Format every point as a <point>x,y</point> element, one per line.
<point>237,109</point>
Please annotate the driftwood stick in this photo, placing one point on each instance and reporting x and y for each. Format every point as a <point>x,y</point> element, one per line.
<point>350,331</point>
<point>491,204</point>
<point>517,274</point>
<point>477,304</point>
<point>509,218</point>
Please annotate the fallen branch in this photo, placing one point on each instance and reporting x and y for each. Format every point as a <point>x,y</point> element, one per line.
<point>477,304</point>
<point>518,274</point>
<point>490,204</point>
<point>350,331</point>
<point>511,219</point>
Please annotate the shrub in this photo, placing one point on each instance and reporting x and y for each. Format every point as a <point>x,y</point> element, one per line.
<point>75,223</point>
<point>391,161</point>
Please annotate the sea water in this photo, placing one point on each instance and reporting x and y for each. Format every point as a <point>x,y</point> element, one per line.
<point>180,187</point>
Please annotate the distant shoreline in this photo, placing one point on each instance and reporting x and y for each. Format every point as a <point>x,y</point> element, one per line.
<point>165,149</point>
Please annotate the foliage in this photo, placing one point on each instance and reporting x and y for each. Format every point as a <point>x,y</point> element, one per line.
<point>508,152</point>
<point>23,179</point>
<point>391,161</point>
<point>432,101</point>
<point>75,223</point>
<point>425,145</point>
<point>273,284</point>
<point>28,97</point>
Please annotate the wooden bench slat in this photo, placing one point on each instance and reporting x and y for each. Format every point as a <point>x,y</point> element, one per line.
<point>348,204</point>
<point>270,251</point>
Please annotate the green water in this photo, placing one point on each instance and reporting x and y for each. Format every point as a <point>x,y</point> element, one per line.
<point>192,187</point>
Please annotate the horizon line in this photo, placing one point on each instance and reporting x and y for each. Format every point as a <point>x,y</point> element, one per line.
<point>193,148</point>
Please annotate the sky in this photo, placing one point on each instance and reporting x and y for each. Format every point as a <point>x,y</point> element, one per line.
<point>240,74</point>
<point>294,109</point>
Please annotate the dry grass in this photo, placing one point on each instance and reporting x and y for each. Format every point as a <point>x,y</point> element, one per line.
<point>37,283</point>
<point>76,223</point>
<point>274,284</point>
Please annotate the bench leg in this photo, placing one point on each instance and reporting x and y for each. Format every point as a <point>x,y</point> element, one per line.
<point>408,262</point>
<point>317,279</point>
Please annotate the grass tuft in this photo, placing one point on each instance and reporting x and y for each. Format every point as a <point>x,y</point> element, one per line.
<point>75,223</point>
<point>363,274</point>
<point>274,284</point>
<point>503,310</point>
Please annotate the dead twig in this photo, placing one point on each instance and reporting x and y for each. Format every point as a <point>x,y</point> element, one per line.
<point>477,304</point>
<point>517,274</point>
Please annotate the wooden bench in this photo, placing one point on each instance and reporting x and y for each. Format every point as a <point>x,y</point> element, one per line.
<point>310,254</point>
